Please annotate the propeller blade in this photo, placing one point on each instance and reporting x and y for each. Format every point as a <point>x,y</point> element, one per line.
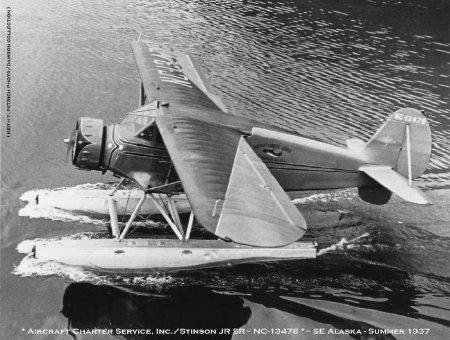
<point>71,143</point>
<point>69,149</point>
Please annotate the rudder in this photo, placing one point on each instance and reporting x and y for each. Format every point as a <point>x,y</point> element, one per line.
<point>389,144</point>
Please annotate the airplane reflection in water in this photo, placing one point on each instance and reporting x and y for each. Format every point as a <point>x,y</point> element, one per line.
<point>198,309</point>
<point>335,308</point>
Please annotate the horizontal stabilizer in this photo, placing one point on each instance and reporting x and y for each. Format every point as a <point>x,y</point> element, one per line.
<point>395,182</point>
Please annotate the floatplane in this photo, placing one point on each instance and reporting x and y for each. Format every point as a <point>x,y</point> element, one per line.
<point>234,171</point>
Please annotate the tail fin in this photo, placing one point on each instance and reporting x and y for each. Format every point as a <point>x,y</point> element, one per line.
<point>402,146</point>
<point>389,144</point>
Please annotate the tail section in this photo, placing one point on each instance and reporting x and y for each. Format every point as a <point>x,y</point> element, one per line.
<point>402,147</point>
<point>389,144</point>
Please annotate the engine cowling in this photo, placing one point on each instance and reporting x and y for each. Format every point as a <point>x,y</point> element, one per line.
<point>86,143</point>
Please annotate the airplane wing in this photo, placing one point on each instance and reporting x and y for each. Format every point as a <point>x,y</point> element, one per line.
<point>174,80</point>
<point>231,191</point>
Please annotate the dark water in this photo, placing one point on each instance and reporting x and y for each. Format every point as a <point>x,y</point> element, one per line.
<point>331,69</point>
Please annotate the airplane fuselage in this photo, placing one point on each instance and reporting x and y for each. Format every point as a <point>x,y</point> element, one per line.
<point>296,162</point>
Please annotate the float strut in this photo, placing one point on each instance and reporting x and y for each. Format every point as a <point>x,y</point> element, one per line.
<point>133,216</point>
<point>112,207</point>
<point>113,215</point>
<point>189,227</point>
<point>174,213</point>
<point>117,186</point>
<point>167,218</point>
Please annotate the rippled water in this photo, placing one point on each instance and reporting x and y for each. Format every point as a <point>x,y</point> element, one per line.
<point>332,70</point>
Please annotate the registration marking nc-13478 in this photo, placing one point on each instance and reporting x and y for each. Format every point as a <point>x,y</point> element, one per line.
<point>409,118</point>
<point>168,69</point>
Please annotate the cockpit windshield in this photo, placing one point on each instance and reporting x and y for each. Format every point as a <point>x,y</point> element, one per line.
<point>141,123</point>
<point>140,118</point>
<point>137,121</point>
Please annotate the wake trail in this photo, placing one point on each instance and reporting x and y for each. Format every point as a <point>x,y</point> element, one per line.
<point>341,245</point>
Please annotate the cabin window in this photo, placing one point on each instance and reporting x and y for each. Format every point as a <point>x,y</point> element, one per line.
<point>140,122</point>
<point>152,135</point>
<point>148,134</point>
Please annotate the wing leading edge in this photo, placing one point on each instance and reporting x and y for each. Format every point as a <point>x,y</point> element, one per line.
<point>230,189</point>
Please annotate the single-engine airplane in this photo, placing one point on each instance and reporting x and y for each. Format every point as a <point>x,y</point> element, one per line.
<point>234,171</point>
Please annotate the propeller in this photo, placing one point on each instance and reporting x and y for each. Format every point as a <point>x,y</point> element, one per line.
<point>71,143</point>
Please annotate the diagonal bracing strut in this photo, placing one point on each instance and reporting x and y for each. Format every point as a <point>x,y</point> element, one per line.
<point>174,222</point>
